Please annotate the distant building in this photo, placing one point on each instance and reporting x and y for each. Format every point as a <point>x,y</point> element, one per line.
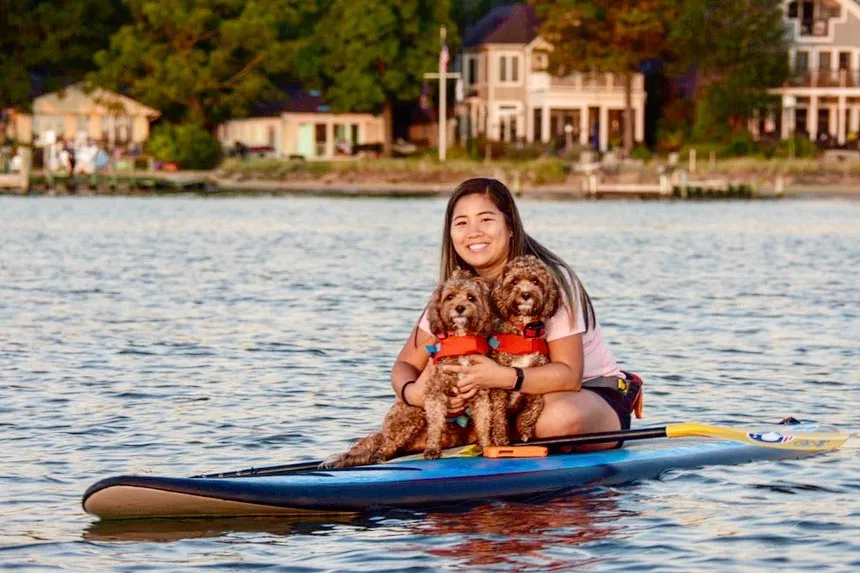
<point>822,96</point>
<point>510,95</point>
<point>301,125</point>
<point>73,114</point>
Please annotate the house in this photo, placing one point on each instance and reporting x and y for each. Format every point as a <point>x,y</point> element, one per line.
<point>77,114</point>
<point>511,96</point>
<point>301,125</point>
<point>822,96</point>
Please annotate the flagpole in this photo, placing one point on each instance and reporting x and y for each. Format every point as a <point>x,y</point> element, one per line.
<point>443,93</point>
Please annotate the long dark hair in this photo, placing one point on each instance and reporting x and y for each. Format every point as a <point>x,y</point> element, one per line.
<point>521,243</point>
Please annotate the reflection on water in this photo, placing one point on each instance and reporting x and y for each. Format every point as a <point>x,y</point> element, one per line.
<point>543,536</point>
<point>179,336</point>
<point>166,530</point>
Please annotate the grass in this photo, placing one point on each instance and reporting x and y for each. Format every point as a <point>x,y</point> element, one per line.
<point>540,171</point>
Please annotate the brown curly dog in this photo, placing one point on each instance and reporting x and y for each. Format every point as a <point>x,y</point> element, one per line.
<point>460,316</point>
<point>525,296</point>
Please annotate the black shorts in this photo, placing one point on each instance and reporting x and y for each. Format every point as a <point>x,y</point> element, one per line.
<point>616,401</point>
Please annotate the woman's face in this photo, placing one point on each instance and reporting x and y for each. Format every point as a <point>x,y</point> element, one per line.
<point>480,234</point>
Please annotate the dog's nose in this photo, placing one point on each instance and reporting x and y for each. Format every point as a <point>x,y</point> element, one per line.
<point>460,309</point>
<point>526,296</point>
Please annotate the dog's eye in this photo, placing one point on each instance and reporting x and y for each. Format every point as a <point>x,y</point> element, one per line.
<point>449,297</point>
<point>471,298</point>
<point>536,282</point>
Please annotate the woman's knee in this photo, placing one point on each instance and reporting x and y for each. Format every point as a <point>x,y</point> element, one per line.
<point>576,413</point>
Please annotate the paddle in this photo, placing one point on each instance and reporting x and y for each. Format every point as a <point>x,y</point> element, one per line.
<point>782,439</point>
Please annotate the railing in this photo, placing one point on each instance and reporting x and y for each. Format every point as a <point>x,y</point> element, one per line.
<point>844,78</point>
<point>814,27</point>
<point>596,81</point>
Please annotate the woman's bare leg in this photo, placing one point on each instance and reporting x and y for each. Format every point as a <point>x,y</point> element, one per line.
<point>573,413</point>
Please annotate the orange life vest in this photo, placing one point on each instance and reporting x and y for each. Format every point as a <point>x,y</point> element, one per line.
<point>530,341</point>
<point>450,346</point>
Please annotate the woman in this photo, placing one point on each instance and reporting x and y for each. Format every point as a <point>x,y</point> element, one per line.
<point>482,232</point>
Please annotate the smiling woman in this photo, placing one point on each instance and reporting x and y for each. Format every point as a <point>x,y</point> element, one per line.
<point>582,386</point>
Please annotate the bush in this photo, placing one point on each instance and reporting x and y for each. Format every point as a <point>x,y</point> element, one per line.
<point>188,145</point>
<point>741,144</point>
<point>803,147</point>
<point>640,152</point>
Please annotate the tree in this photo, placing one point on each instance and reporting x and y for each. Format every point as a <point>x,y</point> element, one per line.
<point>735,70</point>
<point>608,36</point>
<point>48,44</point>
<point>370,54</point>
<point>202,61</point>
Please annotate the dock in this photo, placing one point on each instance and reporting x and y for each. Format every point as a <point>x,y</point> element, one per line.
<point>41,182</point>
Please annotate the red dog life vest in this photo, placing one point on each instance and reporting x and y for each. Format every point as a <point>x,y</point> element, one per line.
<point>531,341</point>
<point>458,346</point>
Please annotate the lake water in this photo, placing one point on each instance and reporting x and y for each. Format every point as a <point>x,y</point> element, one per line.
<point>175,336</point>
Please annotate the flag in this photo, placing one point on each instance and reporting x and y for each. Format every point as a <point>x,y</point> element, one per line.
<point>443,60</point>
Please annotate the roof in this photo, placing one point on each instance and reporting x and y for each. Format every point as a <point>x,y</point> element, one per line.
<point>76,100</point>
<point>517,24</point>
<point>295,100</point>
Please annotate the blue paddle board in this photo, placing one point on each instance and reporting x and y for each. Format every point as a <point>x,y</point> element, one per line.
<point>410,483</point>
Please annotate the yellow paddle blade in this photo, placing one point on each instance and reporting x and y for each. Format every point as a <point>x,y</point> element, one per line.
<point>470,451</point>
<point>782,439</point>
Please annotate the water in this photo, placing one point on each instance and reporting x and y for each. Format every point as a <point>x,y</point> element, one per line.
<point>175,336</point>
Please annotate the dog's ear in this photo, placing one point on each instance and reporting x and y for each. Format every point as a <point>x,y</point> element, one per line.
<point>553,295</point>
<point>434,312</point>
<point>497,292</point>
<point>486,314</point>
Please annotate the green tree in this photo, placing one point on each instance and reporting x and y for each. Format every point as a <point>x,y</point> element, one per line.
<point>736,69</point>
<point>51,42</point>
<point>367,55</point>
<point>202,61</point>
<point>608,36</point>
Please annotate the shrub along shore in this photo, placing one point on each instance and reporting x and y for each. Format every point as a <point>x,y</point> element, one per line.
<point>792,176</point>
<point>425,175</point>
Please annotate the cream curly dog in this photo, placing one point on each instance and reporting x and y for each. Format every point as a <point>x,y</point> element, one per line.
<point>460,315</point>
<point>525,296</point>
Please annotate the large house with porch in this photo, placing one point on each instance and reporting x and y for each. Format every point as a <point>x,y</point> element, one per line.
<point>511,96</point>
<point>76,114</point>
<point>822,96</point>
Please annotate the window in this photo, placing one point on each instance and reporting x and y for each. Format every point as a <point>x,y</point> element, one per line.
<point>503,69</point>
<point>473,71</point>
<point>801,64</point>
<point>515,69</point>
<point>320,133</point>
<point>824,61</point>
<point>792,10</point>
<point>83,125</point>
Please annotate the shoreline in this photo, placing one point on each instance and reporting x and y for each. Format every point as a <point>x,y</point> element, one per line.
<point>400,184</point>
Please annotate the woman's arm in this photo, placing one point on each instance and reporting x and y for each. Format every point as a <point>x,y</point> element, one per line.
<point>410,366</point>
<point>562,374</point>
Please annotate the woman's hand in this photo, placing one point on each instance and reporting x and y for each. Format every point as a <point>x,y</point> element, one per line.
<point>481,373</point>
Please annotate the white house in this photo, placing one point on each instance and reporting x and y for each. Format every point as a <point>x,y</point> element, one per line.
<point>822,95</point>
<point>74,113</point>
<point>301,125</point>
<point>511,96</point>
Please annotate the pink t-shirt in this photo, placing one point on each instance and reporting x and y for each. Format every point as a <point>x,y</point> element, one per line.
<point>597,357</point>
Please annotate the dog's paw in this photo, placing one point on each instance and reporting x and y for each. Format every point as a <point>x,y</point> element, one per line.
<point>433,454</point>
<point>331,462</point>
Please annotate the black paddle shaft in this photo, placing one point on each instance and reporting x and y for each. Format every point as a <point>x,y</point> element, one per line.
<point>580,440</point>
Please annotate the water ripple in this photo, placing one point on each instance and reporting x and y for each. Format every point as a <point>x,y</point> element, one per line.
<point>175,336</point>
